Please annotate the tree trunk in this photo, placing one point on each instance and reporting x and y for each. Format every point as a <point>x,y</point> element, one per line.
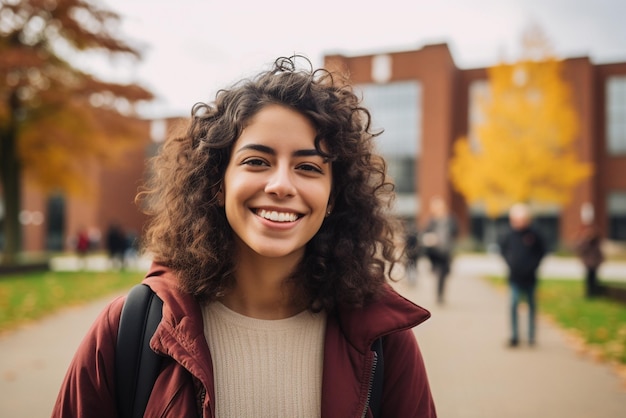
<point>10,176</point>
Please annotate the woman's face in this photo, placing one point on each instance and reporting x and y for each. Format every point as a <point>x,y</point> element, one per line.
<point>276,187</point>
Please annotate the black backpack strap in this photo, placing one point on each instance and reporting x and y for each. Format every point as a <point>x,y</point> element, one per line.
<point>377,382</point>
<point>136,365</point>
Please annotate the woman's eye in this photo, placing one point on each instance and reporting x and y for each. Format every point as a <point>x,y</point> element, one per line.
<point>255,162</point>
<point>310,167</point>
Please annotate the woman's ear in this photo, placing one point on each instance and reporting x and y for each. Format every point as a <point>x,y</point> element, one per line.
<point>329,207</point>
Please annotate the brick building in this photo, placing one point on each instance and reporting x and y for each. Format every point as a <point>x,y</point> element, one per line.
<point>424,103</point>
<point>51,222</point>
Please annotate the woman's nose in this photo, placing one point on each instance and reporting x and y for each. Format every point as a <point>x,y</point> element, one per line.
<point>280,183</point>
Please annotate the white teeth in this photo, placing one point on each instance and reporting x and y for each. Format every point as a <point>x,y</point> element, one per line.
<point>278,216</point>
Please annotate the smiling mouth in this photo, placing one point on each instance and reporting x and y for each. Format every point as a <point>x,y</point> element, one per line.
<point>276,216</point>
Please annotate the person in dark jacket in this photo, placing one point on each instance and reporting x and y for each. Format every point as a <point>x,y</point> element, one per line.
<point>411,253</point>
<point>589,250</point>
<point>522,248</point>
<point>117,245</point>
<point>273,249</point>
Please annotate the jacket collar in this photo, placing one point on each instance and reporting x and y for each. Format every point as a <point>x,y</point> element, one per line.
<point>178,306</point>
<point>180,334</point>
<point>388,313</point>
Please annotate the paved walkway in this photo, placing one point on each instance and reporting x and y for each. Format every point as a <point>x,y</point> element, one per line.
<point>472,374</point>
<point>34,360</point>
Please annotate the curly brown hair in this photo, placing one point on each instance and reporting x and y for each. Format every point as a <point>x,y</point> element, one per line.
<point>352,254</point>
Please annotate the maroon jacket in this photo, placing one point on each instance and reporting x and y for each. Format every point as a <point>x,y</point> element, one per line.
<point>89,386</point>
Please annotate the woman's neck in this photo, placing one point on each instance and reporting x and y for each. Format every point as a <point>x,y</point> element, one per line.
<point>263,289</point>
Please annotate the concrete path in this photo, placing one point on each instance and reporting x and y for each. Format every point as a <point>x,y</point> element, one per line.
<point>35,358</point>
<point>472,374</point>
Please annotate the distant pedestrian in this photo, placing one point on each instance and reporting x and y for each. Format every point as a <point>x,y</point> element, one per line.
<point>589,250</point>
<point>132,248</point>
<point>438,241</point>
<point>82,246</point>
<point>522,248</point>
<point>82,242</point>
<point>411,254</point>
<point>117,245</point>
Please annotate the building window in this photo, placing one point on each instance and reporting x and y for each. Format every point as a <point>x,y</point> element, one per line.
<point>479,92</point>
<point>56,223</point>
<point>616,114</point>
<point>381,68</point>
<point>402,170</point>
<point>617,215</point>
<point>396,108</point>
<point>158,130</point>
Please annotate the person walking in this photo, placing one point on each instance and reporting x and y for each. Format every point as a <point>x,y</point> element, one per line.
<point>438,240</point>
<point>589,250</point>
<point>272,248</point>
<point>116,244</point>
<point>523,249</point>
<point>411,253</point>
<point>82,246</point>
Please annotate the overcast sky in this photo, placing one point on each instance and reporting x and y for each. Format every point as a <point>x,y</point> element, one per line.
<point>194,47</point>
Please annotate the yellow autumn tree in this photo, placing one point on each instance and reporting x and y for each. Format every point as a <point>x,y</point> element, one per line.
<point>523,150</point>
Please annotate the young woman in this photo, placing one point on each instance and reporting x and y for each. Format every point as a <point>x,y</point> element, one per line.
<point>272,246</point>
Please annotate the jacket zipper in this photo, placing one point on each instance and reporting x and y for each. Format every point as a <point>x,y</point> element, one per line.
<point>202,398</point>
<point>369,387</point>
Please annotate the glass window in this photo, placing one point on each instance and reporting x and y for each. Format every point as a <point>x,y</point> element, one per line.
<point>402,171</point>
<point>478,93</point>
<point>381,68</point>
<point>396,108</point>
<point>617,215</point>
<point>158,130</point>
<point>616,114</point>
<point>56,223</point>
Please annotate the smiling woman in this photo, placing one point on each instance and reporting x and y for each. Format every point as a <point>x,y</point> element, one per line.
<point>273,246</point>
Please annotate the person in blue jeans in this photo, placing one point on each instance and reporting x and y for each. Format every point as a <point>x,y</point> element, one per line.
<point>522,248</point>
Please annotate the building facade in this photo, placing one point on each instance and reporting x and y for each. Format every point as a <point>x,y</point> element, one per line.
<point>445,99</point>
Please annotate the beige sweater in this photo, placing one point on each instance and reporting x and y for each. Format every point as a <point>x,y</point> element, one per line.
<point>265,368</point>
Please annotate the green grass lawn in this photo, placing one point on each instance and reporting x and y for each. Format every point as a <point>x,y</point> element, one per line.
<point>26,297</point>
<point>599,322</point>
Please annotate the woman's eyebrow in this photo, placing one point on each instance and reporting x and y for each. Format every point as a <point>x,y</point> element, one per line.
<point>257,147</point>
<point>269,150</point>
<point>306,153</point>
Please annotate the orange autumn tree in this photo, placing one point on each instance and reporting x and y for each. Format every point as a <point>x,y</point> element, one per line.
<point>523,150</point>
<point>55,119</point>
